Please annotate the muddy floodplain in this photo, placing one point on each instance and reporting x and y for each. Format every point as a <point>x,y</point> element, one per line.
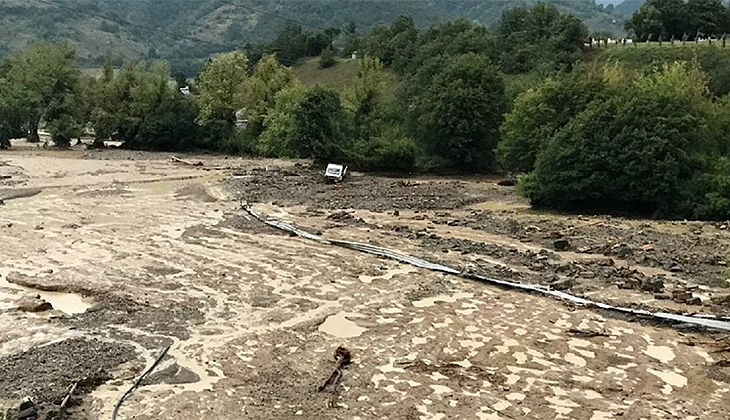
<point>110,256</point>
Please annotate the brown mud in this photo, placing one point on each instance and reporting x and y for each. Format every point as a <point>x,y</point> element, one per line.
<point>136,252</point>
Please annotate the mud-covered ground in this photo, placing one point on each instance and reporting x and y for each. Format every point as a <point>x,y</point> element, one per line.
<point>135,252</point>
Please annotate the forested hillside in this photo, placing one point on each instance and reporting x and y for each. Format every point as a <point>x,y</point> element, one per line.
<point>187,32</point>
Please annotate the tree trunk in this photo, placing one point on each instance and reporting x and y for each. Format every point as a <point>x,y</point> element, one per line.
<point>33,136</point>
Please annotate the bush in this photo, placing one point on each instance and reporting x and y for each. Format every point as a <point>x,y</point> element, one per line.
<point>382,154</point>
<point>640,151</point>
<point>327,59</point>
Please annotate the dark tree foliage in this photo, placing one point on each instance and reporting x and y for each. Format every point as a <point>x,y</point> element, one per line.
<point>319,125</point>
<point>458,109</point>
<point>394,45</point>
<point>531,38</point>
<point>678,19</point>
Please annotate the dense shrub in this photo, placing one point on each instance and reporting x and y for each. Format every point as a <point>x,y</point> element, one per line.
<point>639,151</point>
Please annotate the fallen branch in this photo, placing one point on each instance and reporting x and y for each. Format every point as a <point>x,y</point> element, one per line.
<point>144,374</point>
<point>343,357</point>
<point>186,162</point>
<point>67,398</point>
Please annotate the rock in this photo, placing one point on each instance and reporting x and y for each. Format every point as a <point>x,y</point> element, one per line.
<point>623,250</point>
<point>587,274</point>
<point>653,284</point>
<point>563,284</point>
<point>647,247</point>
<point>674,267</point>
<point>27,410</point>
<point>720,299</point>
<point>33,304</point>
<point>663,296</point>
<point>561,245</point>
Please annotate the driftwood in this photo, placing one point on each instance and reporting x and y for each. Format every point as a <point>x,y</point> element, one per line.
<point>343,357</point>
<point>186,162</point>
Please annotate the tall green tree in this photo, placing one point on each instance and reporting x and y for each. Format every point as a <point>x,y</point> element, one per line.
<point>45,76</point>
<point>320,125</point>
<point>457,113</point>
<point>222,87</point>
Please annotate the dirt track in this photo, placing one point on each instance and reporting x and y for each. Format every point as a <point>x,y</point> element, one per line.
<point>137,252</point>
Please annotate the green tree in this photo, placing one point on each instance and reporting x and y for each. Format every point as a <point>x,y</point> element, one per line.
<point>646,24</point>
<point>538,113</point>
<point>394,45</point>
<point>540,36</point>
<point>319,125</point>
<point>278,136</point>
<point>708,17</point>
<point>43,76</point>
<point>221,88</point>
<point>327,59</point>
<point>637,151</point>
<point>267,80</point>
<point>457,113</point>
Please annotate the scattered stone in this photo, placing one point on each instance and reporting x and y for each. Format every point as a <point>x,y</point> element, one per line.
<point>720,299</point>
<point>38,227</point>
<point>33,304</point>
<point>561,245</point>
<point>647,247</point>
<point>27,410</point>
<point>653,284</point>
<point>663,296</point>
<point>587,274</point>
<point>563,284</point>
<point>622,250</point>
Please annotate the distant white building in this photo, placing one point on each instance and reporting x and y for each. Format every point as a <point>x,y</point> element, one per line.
<point>185,90</point>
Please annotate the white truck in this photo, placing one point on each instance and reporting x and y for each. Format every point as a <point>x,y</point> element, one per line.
<point>335,173</point>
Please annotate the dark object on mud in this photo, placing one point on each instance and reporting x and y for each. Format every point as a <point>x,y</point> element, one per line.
<point>653,284</point>
<point>343,357</point>
<point>27,410</point>
<point>587,333</point>
<point>33,304</point>
<point>5,176</point>
<point>136,383</point>
<point>511,182</point>
<point>561,245</point>
<point>186,162</point>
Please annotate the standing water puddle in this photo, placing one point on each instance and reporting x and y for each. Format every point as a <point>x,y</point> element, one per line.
<point>68,303</point>
<point>339,326</point>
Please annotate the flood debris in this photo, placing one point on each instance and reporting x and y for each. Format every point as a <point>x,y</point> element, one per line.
<point>186,162</point>
<point>33,304</point>
<point>343,357</point>
<point>698,321</point>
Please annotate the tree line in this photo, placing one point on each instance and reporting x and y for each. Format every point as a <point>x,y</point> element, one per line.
<point>665,20</point>
<point>602,131</point>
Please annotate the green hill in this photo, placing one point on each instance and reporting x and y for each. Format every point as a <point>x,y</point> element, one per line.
<point>628,7</point>
<point>187,32</point>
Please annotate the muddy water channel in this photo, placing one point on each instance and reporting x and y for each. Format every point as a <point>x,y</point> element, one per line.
<point>134,252</point>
